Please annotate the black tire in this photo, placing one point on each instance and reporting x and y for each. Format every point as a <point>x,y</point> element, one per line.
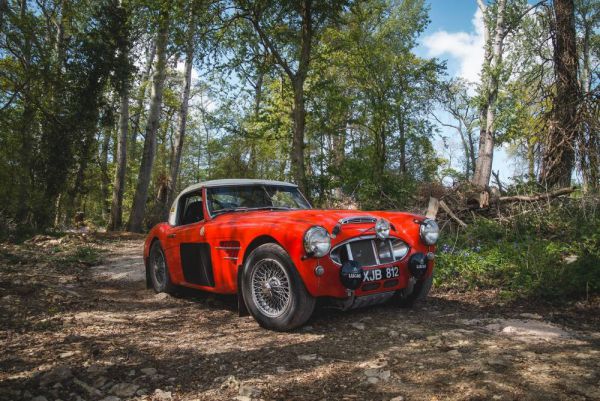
<point>298,305</point>
<point>159,277</point>
<point>407,297</point>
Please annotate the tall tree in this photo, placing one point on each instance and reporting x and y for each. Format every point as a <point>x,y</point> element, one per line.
<point>123,84</point>
<point>587,23</point>
<point>559,153</point>
<point>141,97</point>
<point>490,81</point>
<point>138,209</point>
<point>288,30</point>
<point>183,108</point>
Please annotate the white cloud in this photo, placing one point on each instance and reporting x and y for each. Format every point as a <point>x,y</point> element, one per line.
<point>467,48</point>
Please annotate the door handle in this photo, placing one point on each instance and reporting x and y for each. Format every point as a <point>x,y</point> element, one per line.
<point>171,236</point>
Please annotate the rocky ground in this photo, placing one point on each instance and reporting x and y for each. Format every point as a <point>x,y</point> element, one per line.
<point>77,323</point>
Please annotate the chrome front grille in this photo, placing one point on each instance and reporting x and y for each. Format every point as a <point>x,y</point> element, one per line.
<point>367,251</point>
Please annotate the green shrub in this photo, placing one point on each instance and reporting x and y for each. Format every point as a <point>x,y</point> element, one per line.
<point>552,254</point>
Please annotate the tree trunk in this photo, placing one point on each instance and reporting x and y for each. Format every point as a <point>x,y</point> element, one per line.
<point>60,36</point>
<point>141,192</point>
<point>25,126</point>
<point>466,150</point>
<point>299,112</point>
<point>490,77</point>
<point>559,154</point>
<point>297,159</point>
<point>402,130</point>
<point>297,154</point>
<point>339,147</point>
<point>104,179</point>
<point>531,159</point>
<point>471,152</point>
<point>183,113</point>
<point>116,211</point>
<point>589,146</point>
<point>258,88</point>
<point>141,96</point>
<point>586,79</point>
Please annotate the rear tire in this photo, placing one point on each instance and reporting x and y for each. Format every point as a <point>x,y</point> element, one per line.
<point>159,270</point>
<point>406,298</point>
<point>273,291</point>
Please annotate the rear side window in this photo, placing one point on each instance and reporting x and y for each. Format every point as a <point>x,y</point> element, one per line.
<point>190,209</point>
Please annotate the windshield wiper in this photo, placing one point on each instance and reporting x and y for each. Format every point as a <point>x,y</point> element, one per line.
<point>270,208</point>
<point>230,209</point>
<point>245,209</point>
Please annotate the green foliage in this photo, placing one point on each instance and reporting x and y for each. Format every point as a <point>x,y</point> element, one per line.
<point>553,254</point>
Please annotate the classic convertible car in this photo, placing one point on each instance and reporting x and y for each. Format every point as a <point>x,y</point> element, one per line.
<point>263,241</point>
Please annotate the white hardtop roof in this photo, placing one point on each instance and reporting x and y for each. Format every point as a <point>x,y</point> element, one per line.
<point>233,182</point>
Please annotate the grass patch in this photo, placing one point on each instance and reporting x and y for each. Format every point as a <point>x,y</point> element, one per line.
<point>553,254</point>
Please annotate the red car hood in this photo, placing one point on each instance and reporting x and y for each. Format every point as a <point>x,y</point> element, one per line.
<point>309,217</point>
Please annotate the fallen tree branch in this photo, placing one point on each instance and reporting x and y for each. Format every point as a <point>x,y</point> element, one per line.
<point>451,214</point>
<point>532,198</point>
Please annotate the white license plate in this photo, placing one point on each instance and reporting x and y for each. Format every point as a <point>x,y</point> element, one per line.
<point>381,274</point>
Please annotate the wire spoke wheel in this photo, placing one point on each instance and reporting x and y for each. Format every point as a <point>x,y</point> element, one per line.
<point>159,267</point>
<point>270,286</point>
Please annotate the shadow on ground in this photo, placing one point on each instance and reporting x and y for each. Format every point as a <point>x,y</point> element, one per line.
<point>107,336</point>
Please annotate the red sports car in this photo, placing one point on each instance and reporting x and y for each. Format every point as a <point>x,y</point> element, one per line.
<point>263,241</point>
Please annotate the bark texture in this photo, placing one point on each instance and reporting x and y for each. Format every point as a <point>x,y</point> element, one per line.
<point>116,210</point>
<point>141,193</point>
<point>183,114</point>
<point>559,152</point>
<point>490,83</point>
<point>141,96</point>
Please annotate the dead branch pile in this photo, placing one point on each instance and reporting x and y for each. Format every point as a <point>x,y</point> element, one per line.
<point>463,203</point>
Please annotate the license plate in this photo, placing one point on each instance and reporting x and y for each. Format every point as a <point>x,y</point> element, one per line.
<point>381,274</point>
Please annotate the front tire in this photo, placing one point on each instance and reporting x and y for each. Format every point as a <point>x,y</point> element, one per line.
<point>273,290</point>
<point>406,298</point>
<point>158,269</point>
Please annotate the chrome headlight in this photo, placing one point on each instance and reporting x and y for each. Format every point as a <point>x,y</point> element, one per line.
<point>382,228</point>
<point>430,231</point>
<point>317,241</point>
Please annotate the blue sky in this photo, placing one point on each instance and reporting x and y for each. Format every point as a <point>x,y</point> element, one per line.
<point>455,34</point>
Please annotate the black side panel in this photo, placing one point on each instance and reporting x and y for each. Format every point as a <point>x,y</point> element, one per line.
<point>196,264</point>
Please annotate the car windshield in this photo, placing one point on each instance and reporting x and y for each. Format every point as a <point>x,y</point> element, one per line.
<point>254,197</point>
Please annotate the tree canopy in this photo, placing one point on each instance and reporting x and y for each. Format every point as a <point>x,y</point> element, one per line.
<point>108,108</point>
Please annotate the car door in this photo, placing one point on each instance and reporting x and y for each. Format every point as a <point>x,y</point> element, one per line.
<point>188,253</point>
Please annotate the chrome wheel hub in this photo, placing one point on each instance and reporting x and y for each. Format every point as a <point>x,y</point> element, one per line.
<point>270,287</point>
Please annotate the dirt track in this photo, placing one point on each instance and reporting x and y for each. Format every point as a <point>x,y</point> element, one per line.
<point>73,332</point>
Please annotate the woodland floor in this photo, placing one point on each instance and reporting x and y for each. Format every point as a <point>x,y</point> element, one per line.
<point>71,330</point>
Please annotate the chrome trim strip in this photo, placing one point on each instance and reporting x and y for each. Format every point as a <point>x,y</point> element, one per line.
<point>347,250</point>
<point>376,253</point>
<point>230,258</point>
